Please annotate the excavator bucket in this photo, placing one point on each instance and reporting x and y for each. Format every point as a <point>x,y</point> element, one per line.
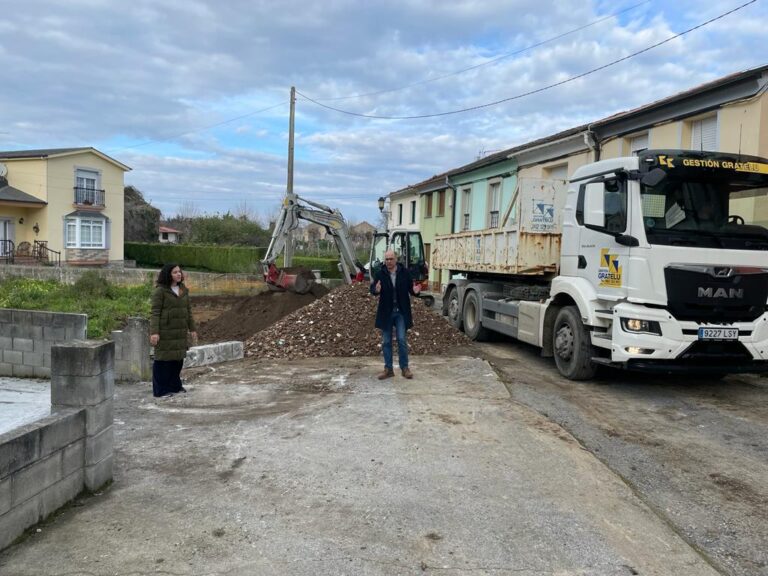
<point>298,281</point>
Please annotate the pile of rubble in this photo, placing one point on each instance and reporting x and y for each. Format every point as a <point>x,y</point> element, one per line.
<point>341,323</point>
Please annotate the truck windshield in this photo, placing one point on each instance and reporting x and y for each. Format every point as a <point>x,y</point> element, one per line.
<point>706,213</point>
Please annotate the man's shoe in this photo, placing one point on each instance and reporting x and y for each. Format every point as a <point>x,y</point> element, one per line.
<point>388,373</point>
<point>407,373</point>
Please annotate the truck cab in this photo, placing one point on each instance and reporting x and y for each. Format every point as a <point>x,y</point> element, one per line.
<point>665,255</point>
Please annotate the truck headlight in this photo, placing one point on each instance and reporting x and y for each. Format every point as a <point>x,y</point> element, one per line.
<point>637,326</point>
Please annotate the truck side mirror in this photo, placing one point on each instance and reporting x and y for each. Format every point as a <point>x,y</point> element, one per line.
<point>594,205</point>
<point>654,177</point>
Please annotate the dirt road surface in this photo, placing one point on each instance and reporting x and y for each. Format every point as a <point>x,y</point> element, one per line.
<point>695,451</point>
<point>314,467</point>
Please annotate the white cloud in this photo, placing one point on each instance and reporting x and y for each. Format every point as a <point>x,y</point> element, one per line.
<point>81,73</point>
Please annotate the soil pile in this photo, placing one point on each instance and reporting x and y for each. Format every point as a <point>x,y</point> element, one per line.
<point>245,316</point>
<point>341,323</point>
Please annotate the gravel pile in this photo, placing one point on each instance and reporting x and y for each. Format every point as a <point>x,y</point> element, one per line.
<point>341,323</point>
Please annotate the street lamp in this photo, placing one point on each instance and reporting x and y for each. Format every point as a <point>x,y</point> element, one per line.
<point>384,213</point>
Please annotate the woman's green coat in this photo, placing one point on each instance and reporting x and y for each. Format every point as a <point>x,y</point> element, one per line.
<point>171,318</point>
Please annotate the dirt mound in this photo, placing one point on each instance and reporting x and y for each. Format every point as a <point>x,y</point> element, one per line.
<point>342,324</point>
<point>245,316</point>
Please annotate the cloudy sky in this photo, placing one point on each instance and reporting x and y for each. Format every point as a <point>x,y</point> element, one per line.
<point>193,94</point>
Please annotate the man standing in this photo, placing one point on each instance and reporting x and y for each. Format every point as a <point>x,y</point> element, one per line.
<point>393,285</point>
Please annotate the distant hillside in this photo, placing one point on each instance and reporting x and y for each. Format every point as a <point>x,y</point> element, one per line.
<point>142,220</point>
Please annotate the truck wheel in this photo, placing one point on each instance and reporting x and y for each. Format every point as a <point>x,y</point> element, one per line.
<point>472,314</point>
<point>572,345</point>
<point>452,308</point>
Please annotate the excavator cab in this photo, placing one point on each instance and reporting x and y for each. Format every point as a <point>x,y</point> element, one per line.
<point>409,249</point>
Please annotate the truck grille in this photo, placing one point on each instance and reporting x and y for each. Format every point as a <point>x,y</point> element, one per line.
<point>715,295</point>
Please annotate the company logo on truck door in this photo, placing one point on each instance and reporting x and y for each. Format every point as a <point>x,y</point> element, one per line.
<point>609,272</point>
<point>542,217</point>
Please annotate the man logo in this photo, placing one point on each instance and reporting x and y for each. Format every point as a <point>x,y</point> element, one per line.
<point>730,293</point>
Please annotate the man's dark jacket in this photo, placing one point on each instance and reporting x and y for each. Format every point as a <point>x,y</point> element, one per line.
<point>403,289</point>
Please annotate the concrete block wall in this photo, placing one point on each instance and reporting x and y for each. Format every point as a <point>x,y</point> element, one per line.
<point>132,351</point>
<point>26,338</point>
<point>46,464</point>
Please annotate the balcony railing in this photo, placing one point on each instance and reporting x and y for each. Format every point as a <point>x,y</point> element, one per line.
<point>89,196</point>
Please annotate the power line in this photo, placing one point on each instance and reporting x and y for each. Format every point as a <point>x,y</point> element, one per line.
<point>488,62</point>
<point>531,92</point>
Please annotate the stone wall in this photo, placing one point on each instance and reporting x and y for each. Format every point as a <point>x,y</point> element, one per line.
<point>26,338</point>
<point>46,464</point>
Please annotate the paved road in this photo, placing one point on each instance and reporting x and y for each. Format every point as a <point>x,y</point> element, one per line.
<point>694,451</point>
<point>315,467</point>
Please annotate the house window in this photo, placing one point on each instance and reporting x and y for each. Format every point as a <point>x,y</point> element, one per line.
<point>466,200</point>
<point>413,212</point>
<point>399,214</point>
<point>428,205</point>
<point>165,235</point>
<point>441,203</point>
<point>556,172</point>
<point>87,188</point>
<point>637,142</point>
<point>494,202</point>
<point>85,233</point>
<point>704,134</point>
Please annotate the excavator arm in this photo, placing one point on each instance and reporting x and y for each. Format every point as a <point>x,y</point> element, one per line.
<point>293,211</point>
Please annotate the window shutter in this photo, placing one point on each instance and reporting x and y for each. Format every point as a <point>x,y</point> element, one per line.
<point>107,233</point>
<point>12,230</point>
<point>704,134</point>
<point>638,142</point>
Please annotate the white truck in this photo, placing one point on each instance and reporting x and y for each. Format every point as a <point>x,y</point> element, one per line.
<point>656,262</point>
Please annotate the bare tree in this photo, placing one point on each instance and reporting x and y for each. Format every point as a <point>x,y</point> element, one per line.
<point>245,212</point>
<point>188,210</point>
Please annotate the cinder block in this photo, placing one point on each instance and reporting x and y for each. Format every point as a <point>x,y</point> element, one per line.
<point>54,333</point>
<point>35,332</point>
<point>12,357</point>
<point>61,429</point>
<point>69,390</point>
<point>42,318</point>
<point>18,448</point>
<point>99,417</point>
<point>98,474</point>
<point>6,369</point>
<point>21,317</point>
<point>23,371</point>
<point>76,322</point>
<point>6,342</point>
<point>42,372</point>
<point>23,344</point>
<point>6,315</point>
<point>5,495</point>
<point>32,359</point>
<point>100,446</point>
<point>237,350</point>
<point>35,478</point>
<point>54,497</point>
<point>73,457</point>
<point>16,520</point>
<point>82,357</point>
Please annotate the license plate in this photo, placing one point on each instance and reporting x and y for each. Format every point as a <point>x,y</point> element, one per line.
<point>718,333</point>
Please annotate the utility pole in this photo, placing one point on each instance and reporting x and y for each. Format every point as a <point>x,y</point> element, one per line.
<point>288,256</point>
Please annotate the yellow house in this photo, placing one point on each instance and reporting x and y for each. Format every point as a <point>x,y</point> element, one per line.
<point>62,205</point>
<point>727,115</point>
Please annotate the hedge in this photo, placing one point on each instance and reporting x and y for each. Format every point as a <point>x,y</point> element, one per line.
<point>217,258</point>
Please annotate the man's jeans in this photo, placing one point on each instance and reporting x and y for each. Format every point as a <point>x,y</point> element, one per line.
<point>398,322</point>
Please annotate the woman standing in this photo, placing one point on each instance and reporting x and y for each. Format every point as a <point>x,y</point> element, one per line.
<point>169,323</point>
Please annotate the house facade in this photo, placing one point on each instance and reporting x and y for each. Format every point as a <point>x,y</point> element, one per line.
<point>404,209</point>
<point>65,203</point>
<point>168,235</point>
